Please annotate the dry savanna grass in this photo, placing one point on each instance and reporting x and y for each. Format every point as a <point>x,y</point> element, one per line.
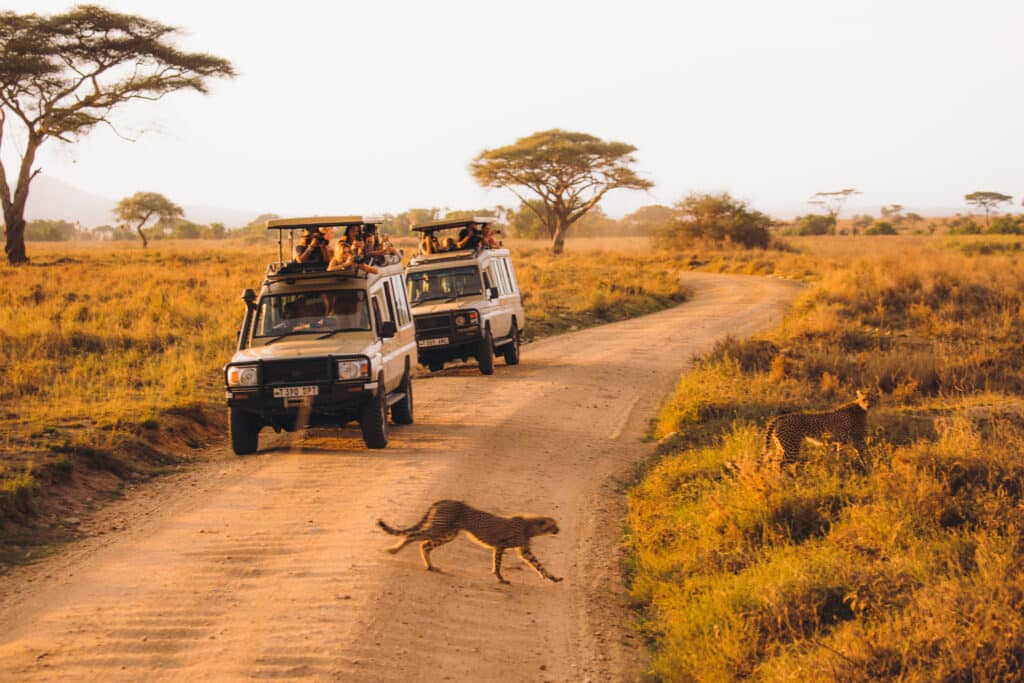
<point>911,568</point>
<point>111,355</point>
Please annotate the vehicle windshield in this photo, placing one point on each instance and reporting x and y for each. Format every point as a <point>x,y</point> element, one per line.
<point>443,284</point>
<point>336,310</point>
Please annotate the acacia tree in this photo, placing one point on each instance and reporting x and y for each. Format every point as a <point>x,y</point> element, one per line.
<point>832,202</point>
<point>138,209</point>
<point>568,172</point>
<point>987,201</point>
<point>61,75</point>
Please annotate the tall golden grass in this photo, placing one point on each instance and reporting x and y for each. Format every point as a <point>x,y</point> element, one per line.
<point>110,355</point>
<point>910,570</point>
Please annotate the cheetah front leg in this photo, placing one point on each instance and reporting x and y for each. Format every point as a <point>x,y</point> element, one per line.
<point>496,570</point>
<point>529,558</point>
<point>862,453</point>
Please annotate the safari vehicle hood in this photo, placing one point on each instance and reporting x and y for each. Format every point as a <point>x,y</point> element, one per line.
<point>442,305</point>
<point>307,345</point>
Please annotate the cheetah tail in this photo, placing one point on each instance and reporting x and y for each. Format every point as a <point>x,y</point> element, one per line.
<point>402,532</point>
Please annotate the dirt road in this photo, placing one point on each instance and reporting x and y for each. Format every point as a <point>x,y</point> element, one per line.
<point>271,566</point>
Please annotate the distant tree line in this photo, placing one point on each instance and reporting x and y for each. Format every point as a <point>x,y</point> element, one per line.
<point>699,218</point>
<point>66,231</point>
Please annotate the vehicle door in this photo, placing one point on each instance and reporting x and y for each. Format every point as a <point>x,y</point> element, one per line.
<point>405,338</point>
<point>388,346</point>
<point>501,323</point>
<point>516,300</point>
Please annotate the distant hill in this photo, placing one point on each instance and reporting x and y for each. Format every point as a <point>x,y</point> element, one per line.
<point>52,199</point>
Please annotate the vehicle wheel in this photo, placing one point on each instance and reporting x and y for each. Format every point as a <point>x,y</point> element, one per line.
<point>401,412</point>
<point>245,431</point>
<point>485,354</point>
<point>511,350</point>
<point>374,420</point>
<point>435,365</point>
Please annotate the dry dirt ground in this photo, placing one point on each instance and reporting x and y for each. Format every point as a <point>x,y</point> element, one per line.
<point>272,566</point>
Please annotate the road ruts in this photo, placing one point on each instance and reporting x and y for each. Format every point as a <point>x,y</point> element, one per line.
<point>271,566</point>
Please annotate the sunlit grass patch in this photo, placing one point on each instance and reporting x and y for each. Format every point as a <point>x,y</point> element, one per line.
<point>908,567</point>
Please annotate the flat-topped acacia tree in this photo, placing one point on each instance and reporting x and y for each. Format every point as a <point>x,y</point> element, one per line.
<point>60,75</point>
<point>987,200</point>
<point>568,172</point>
<point>833,202</point>
<point>138,209</point>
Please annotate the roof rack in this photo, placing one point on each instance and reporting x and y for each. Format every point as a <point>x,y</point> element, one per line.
<point>314,223</point>
<point>461,223</point>
<point>292,271</point>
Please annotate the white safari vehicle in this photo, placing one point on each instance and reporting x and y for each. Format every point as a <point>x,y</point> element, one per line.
<point>322,347</point>
<point>465,299</point>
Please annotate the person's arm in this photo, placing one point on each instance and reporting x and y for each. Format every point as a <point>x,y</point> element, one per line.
<point>301,258</point>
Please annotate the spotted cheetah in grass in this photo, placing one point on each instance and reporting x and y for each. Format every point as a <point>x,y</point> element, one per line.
<point>446,518</point>
<point>848,422</point>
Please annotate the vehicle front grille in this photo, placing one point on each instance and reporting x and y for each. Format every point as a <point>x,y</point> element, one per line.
<point>433,324</point>
<point>297,370</point>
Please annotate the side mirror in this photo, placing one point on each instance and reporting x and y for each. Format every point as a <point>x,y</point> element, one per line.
<point>492,292</point>
<point>388,329</point>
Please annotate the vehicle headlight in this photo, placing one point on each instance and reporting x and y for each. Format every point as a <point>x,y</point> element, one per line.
<point>353,369</point>
<point>242,375</point>
<point>464,319</point>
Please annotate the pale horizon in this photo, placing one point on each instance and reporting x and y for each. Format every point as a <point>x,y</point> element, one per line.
<point>378,109</point>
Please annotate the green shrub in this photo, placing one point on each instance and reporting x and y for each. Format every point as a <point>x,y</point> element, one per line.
<point>1006,225</point>
<point>964,225</point>
<point>716,218</point>
<point>880,228</point>
<point>815,224</point>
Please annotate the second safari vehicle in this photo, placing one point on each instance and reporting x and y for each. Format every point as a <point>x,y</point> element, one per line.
<point>465,299</point>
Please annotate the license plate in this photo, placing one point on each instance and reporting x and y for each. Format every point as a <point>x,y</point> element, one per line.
<point>440,341</point>
<point>296,392</point>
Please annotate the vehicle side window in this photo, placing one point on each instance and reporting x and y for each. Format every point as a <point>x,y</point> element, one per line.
<point>401,303</point>
<point>511,274</point>
<point>500,278</point>
<point>377,317</point>
<point>389,298</point>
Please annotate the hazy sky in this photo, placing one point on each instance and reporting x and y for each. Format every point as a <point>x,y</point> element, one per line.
<point>373,106</point>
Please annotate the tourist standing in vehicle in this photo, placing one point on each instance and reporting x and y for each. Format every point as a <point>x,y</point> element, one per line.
<point>315,247</point>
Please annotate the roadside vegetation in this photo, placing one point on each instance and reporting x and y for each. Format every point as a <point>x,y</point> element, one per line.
<point>910,568</point>
<point>111,356</point>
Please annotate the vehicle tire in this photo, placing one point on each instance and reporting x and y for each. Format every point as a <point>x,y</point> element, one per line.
<point>401,412</point>
<point>485,354</point>
<point>374,420</point>
<point>245,431</point>
<point>435,365</point>
<point>511,350</point>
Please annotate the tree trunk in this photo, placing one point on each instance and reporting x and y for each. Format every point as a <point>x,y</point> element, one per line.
<point>558,235</point>
<point>138,229</point>
<point>14,207</point>
<point>15,239</point>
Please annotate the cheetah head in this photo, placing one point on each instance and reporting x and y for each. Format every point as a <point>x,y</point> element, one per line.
<point>542,525</point>
<point>864,399</point>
